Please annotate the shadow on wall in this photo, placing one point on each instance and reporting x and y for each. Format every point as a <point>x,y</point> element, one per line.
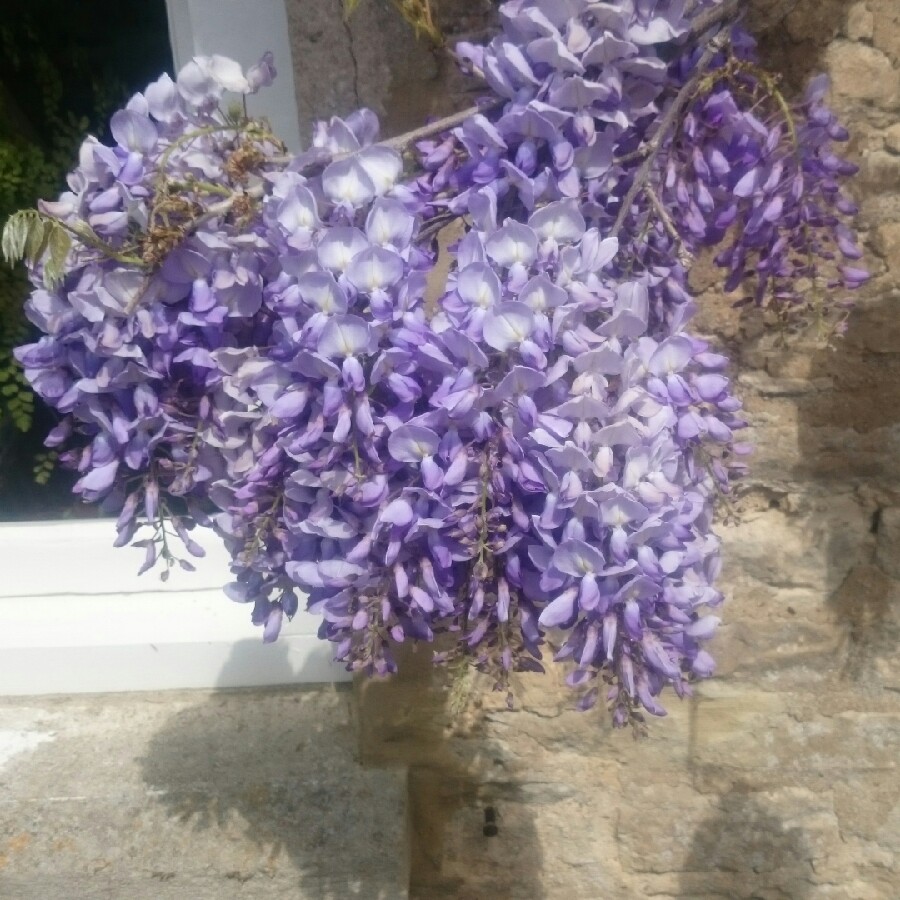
<point>273,774</point>
<point>849,441</point>
<point>849,424</point>
<point>843,473</point>
<point>472,832</point>
<point>745,852</point>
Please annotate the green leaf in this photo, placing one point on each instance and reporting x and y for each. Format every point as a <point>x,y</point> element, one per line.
<point>15,235</point>
<point>58,243</point>
<point>36,241</point>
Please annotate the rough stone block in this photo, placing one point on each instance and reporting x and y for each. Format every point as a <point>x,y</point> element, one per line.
<point>860,72</point>
<point>888,546</point>
<point>892,138</point>
<point>886,30</point>
<point>756,839</point>
<point>786,638</point>
<point>860,22</point>
<point>779,738</point>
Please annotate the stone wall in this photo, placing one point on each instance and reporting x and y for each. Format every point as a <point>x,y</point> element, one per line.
<point>780,779</point>
<point>372,58</point>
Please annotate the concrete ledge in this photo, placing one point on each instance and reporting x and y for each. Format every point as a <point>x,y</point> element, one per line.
<point>195,795</point>
<point>76,618</point>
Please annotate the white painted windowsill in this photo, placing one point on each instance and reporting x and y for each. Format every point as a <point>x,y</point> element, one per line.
<point>75,618</point>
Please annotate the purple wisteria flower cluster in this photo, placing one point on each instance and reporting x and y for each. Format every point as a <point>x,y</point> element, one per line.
<point>519,456</point>
<point>163,272</point>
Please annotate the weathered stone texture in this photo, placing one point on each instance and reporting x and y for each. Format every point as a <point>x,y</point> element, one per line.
<point>780,779</point>
<point>372,59</point>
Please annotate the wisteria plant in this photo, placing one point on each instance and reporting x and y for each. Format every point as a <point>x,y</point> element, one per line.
<point>524,457</point>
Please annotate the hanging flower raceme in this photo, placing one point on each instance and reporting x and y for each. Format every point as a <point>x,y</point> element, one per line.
<point>240,337</point>
<point>167,267</point>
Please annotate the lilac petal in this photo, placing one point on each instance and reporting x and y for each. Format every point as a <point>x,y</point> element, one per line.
<point>596,254</point>
<point>582,408</point>
<point>747,185</point>
<point>465,349</point>
<point>520,380</point>
<point>633,621</point>
<point>321,291</point>
<point>579,93</point>
<point>101,478</point>
<point>262,74</point>
<point>541,294</point>
<point>422,598</point>
<point>413,443</point>
<point>484,132</point>
<point>589,593</point>
<point>570,458</point>
<point>382,166</point>
<point>353,375</point>
<point>432,474</point>
<point>508,326</point>
<point>333,573</point>
<point>711,387</point>
<point>227,73</point>
<point>162,99</point>
<point>133,131</point>
<point>390,223</point>
<point>339,246</point>
<point>273,624</point>
<point>479,285</point>
<point>560,221</point>
<point>633,298</point>
<point>640,588</point>
<point>657,657</point>
<point>398,512</point>
<point>511,244</point>
<point>672,355</point>
<point>621,511</point>
<point>553,51</point>
<point>483,210</point>
<point>313,366</point>
<point>298,212</point>
<point>608,48</point>
<point>648,701</point>
<point>345,336</point>
<point>854,276</point>
<point>502,600</point>
<point>577,558</point>
<point>347,181</point>
<point>703,628</point>
<point>618,435</point>
<point>610,631</point>
<point>559,611</point>
<point>703,665</point>
<point>599,362</point>
<point>375,269</point>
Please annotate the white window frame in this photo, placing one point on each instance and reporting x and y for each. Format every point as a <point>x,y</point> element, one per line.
<point>242,30</point>
<point>76,618</point>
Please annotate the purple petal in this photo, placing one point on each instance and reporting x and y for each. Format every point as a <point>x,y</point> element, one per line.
<point>133,131</point>
<point>508,326</point>
<point>577,558</point>
<point>560,610</point>
<point>412,443</point>
<point>345,336</point>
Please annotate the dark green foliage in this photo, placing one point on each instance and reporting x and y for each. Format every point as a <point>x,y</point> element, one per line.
<point>64,68</point>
